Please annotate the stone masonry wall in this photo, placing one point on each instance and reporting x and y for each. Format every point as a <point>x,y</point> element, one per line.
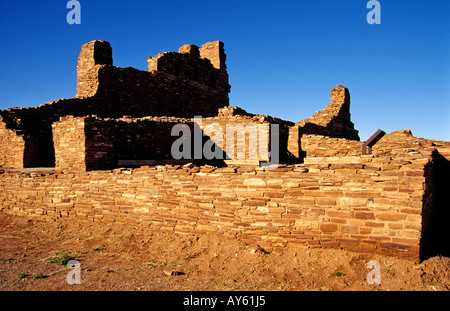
<point>70,144</point>
<point>112,92</point>
<point>14,146</point>
<point>357,203</point>
<point>92,143</point>
<point>334,120</point>
<point>205,65</point>
<point>93,53</point>
<point>241,122</point>
<point>323,146</point>
<point>88,143</point>
<point>178,84</point>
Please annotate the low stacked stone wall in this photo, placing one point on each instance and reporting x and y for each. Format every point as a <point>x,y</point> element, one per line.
<point>358,203</point>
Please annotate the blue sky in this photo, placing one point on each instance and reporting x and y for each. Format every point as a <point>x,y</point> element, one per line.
<point>284,57</point>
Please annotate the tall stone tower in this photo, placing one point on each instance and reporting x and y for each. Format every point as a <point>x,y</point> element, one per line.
<point>94,53</point>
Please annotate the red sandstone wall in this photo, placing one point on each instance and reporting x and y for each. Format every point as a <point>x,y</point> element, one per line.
<point>70,144</point>
<point>127,91</point>
<point>205,65</point>
<point>323,146</point>
<point>12,146</point>
<point>233,117</point>
<point>335,119</point>
<point>109,91</point>
<point>179,84</point>
<point>93,143</point>
<point>402,144</point>
<point>364,205</point>
<point>246,145</point>
<point>92,55</point>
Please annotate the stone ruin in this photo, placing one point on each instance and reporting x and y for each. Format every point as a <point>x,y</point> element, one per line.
<point>105,156</point>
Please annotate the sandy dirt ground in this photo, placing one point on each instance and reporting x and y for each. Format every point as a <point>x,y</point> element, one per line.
<point>119,258</point>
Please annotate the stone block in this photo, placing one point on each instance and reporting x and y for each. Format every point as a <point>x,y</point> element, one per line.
<point>328,227</point>
<point>256,182</point>
<point>364,215</point>
<point>325,201</point>
<point>390,216</point>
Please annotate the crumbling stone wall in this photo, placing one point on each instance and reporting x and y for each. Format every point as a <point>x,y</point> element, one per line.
<point>93,55</point>
<point>34,126</point>
<point>403,147</point>
<point>191,82</point>
<point>102,143</point>
<point>334,120</point>
<point>257,139</point>
<point>372,203</point>
<point>393,201</point>
<point>355,203</point>
<point>293,145</point>
<point>94,143</point>
<point>70,144</point>
<point>329,132</point>
<point>194,64</point>
<point>108,91</point>
<point>178,84</point>
<point>13,154</point>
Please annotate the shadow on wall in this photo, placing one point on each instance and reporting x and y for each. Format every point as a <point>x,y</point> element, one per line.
<point>39,151</point>
<point>435,238</point>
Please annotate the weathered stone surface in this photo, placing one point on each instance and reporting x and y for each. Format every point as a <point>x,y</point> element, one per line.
<point>334,120</point>
<point>386,202</point>
<point>183,85</point>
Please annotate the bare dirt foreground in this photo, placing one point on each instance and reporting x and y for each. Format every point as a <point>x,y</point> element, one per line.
<point>117,258</point>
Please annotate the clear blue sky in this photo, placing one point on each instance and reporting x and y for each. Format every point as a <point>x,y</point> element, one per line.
<point>283,56</point>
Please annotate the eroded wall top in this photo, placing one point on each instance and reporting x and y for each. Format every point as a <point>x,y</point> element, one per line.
<point>335,119</point>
